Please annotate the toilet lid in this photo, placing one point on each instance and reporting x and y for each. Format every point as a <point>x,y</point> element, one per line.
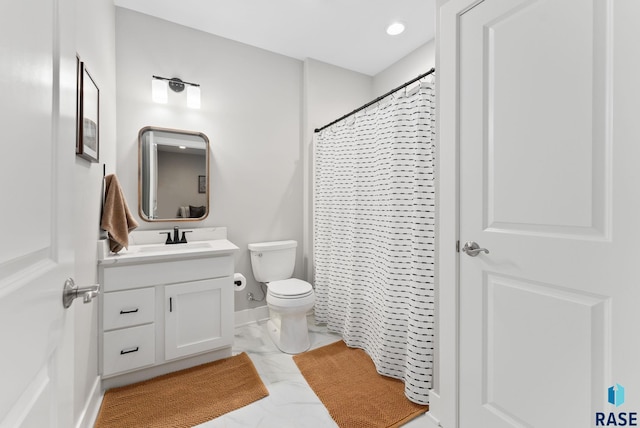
<point>289,288</point>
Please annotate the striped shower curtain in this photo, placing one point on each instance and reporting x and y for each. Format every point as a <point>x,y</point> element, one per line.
<point>374,234</point>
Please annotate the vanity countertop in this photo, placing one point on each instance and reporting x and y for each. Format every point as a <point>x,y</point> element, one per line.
<point>145,247</point>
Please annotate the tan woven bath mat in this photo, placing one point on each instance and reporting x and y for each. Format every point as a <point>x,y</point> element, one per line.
<point>346,381</point>
<point>185,398</point>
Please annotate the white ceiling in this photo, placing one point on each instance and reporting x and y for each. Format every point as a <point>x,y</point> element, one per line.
<point>347,33</point>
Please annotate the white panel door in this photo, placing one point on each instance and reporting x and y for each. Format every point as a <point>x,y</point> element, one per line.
<point>548,318</point>
<point>37,113</point>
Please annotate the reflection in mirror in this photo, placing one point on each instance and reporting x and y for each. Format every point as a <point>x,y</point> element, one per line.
<point>173,171</point>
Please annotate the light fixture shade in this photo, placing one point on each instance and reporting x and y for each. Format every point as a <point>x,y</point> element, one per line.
<point>159,91</point>
<point>193,96</point>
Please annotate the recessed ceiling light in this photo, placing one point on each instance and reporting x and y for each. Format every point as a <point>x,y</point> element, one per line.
<point>182,147</point>
<point>395,28</point>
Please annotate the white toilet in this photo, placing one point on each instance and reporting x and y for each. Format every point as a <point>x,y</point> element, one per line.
<point>289,299</point>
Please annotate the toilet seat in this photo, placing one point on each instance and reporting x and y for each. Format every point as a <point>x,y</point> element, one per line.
<point>291,288</point>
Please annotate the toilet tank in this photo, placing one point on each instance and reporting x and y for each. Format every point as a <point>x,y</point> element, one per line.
<point>273,261</point>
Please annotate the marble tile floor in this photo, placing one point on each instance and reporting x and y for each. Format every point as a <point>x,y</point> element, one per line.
<point>291,402</point>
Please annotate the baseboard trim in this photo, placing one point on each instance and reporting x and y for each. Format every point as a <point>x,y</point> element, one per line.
<point>251,316</point>
<point>435,404</point>
<point>431,422</point>
<point>91,407</point>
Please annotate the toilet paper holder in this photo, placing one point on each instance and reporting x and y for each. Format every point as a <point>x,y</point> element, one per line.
<point>239,281</point>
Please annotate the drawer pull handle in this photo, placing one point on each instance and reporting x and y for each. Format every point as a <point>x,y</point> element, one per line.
<point>128,351</point>
<point>133,311</point>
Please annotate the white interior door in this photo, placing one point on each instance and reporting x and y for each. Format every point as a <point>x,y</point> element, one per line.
<point>548,184</point>
<point>37,111</point>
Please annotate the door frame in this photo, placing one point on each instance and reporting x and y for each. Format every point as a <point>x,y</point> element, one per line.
<point>444,397</point>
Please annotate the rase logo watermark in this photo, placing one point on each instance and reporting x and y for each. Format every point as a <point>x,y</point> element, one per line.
<point>615,396</point>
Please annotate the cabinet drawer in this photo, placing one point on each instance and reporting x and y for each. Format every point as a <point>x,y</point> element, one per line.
<point>128,349</point>
<point>128,308</point>
<point>166,272</point>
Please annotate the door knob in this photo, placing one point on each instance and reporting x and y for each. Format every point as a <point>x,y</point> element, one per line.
<point>473,249</point>
<point>71,291</point>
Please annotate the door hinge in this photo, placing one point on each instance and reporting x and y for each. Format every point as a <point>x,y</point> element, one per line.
<point>457,246</point>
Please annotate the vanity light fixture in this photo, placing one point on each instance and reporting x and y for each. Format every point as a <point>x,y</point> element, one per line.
<point>395,28</point>
<point>159,90</point>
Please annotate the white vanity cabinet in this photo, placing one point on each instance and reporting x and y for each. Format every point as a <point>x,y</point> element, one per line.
<point>164,313</point>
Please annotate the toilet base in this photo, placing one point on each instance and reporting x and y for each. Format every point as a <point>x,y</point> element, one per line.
<point>289,332</point>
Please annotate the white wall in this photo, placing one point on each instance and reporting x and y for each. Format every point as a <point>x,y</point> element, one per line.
<point>416,63</point>
<point>332,91</point>
<point>251,113</point>
<point>329,93</point>
<point>95,44</point>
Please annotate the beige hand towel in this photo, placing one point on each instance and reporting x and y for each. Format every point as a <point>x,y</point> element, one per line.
<point>116,217</point>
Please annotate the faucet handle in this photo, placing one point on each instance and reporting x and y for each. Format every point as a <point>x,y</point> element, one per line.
<point>168,241</point>
<point>184,238</point>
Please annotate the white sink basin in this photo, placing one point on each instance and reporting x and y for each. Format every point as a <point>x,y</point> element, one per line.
<point>172,248</point>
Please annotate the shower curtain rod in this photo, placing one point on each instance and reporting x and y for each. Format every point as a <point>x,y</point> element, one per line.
<point>381,97</point>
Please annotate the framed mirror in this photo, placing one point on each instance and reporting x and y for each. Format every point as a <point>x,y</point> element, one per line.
<point>173,175</point>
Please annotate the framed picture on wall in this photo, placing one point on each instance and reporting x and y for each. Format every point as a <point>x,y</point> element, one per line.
<point>88,116</point>
<point>202,184</point>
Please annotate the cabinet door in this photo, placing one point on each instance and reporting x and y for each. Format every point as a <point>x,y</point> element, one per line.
<point>199,317</point>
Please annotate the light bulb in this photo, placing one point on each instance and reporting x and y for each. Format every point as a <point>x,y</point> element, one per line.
<point>193,96</point>
<point>395,28</point>
<point>159,91</point>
